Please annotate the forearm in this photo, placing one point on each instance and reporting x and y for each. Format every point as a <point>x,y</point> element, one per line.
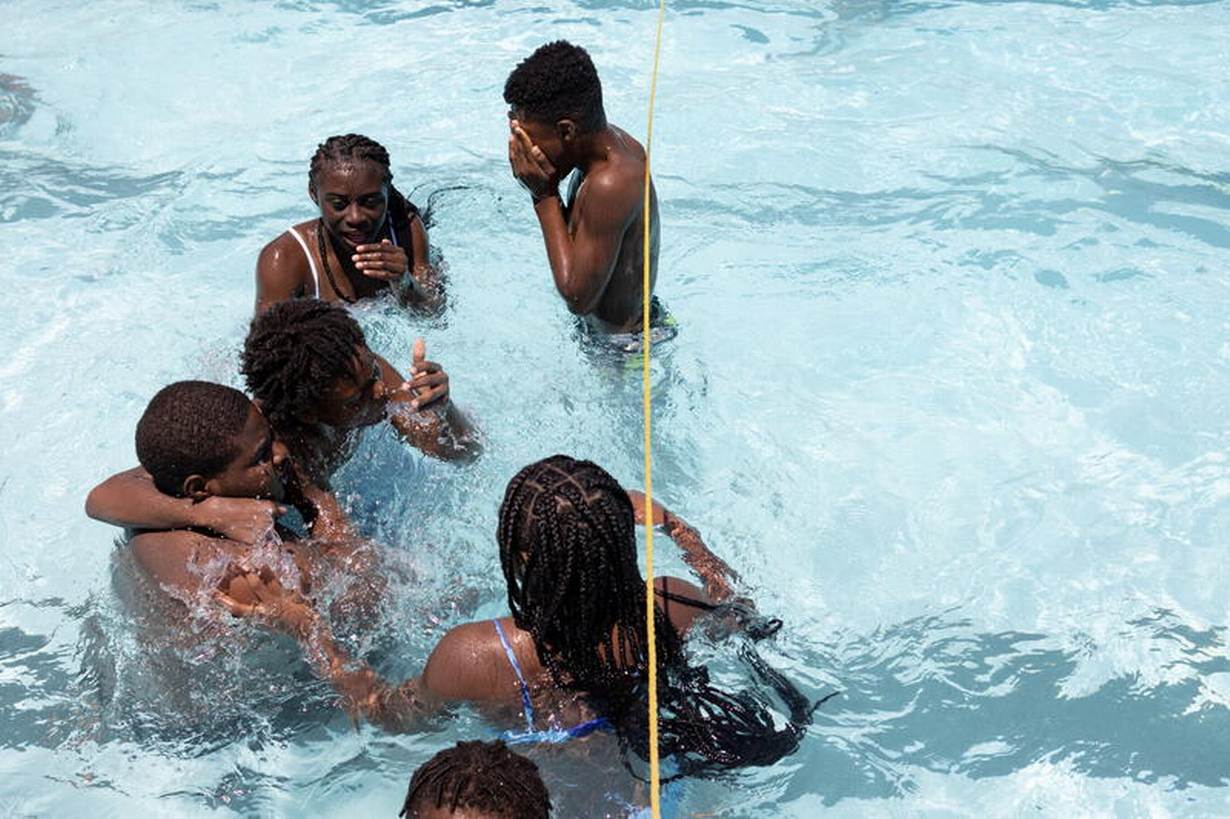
<point>325,518</point>
<point>445,433</point>
<point>711,569</point>
<point>561,254</point>
<point>713,572</point>
<point>395,708</point>
<point>130,499</point>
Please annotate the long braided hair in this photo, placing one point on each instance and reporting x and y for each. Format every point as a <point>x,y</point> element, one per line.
<point>568,551</point>
<point>483,776</point>
<point>356,148</point>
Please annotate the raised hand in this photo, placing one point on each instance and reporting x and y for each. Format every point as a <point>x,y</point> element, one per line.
<point>385,261</point>
<point>428,382</point>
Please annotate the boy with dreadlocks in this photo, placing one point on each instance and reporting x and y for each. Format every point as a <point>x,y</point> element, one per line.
<point>368,237</point>
<point>477,780</point>
<point>309,368</point>
<point>575,645</point>
<point>594,236</point>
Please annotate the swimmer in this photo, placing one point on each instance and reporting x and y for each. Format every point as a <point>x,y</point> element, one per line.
<point>309,368</point>
<point>595,242</point>
<point>477,780</point>
<point>199,441</point>
<point>368,238</point>
<point>571,658</point>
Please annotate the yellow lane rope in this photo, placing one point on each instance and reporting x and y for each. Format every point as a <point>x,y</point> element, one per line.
<point>655,776</point>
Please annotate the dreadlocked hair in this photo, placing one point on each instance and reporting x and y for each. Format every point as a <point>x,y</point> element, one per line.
<point>479,776</point>
<point>189,428</point>
<point>568,551</point>
<point>358,148</point>
<point>295,351</point>
<point>558,81</point>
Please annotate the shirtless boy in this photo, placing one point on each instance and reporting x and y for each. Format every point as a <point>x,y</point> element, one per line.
<point>198,441</point>
<point>308,366</point>
<point>594,239</point>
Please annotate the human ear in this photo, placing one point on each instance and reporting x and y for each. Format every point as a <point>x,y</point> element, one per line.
<point>196,487</point>
<point>566,129</point>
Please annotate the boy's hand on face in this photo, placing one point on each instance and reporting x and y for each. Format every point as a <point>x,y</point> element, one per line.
<point>385,261</point>
<point>244,520</point>
<point>530,165</point>
<point>428,382</point>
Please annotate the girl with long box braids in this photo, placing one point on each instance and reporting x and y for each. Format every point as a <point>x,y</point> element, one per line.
<point>576,636</point>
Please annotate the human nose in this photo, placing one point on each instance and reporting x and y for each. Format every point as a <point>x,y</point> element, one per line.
<point>353,214</point>
<point>378,390</point>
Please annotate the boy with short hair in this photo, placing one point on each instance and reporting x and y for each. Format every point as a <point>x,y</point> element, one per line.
<point>595,239</point>
<point>197,441</point>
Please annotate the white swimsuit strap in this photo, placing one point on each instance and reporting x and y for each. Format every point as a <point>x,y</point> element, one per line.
<point>311,261</point>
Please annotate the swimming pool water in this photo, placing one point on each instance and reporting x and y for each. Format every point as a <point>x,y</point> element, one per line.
<point>950,390</point>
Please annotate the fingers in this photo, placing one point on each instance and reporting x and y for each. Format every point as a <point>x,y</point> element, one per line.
<point>544,164</point>
<point>251,583</point>
<point>383,261</point>
<point>523,139</point>
<point>427,387</point>
<point>430,394</point>
<point>232,605</point>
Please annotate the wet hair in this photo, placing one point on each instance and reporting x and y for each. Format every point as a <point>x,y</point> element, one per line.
<point>568,550</point>
<point>295,351</point>
<point>358,148</point>
<point>483,776</point>
<point>189,428</point>
<point>558,81</point>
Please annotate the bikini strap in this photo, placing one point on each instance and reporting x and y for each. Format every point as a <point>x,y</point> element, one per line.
<point>527,707</point>
<point>311,262</point>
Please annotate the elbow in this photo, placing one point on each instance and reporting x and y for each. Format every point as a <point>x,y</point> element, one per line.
<point>577,291</point>
<point>95,503</point>
<point>579,303</point>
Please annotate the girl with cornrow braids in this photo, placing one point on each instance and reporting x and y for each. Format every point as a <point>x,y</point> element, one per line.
<point>368,237</point>
<point>575,645</point>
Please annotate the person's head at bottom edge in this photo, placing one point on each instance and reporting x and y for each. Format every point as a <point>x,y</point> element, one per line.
<point>477,780</point>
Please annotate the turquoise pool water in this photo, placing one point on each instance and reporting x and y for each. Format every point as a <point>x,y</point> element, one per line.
<point>950,391</point>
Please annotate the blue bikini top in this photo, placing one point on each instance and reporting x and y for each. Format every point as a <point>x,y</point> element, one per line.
<point>530,734</point>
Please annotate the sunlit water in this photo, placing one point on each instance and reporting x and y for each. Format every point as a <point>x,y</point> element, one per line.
<point>950,390</point>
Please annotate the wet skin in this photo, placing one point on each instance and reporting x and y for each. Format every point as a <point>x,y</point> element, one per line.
<point>372,392</point>
<point>595,240</point>
<point>254,470</point>
<point>173,559</point>
<point>320,442</point>
<point>353,199</point>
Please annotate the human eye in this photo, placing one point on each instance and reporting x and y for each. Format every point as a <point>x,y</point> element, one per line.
<point>264,455</point>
